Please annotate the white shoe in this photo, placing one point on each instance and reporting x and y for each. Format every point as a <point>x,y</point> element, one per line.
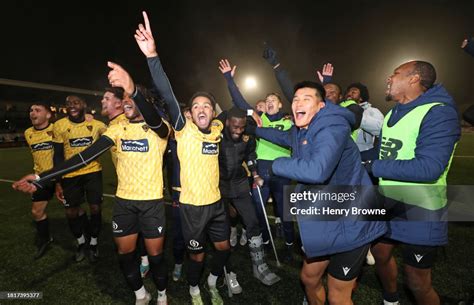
<point>264,275</point>
<point>243,237</point>
<point>369,259</point>
<point>145,300</point>
<point>162,301</point>
<point>233,236</point>
<point>233,283</point>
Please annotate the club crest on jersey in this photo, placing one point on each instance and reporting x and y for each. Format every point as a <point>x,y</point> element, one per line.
<point>135,145</point>
<point>245,138</point>
<point>210,148</point>
<point>49,133</point>
<point>89,127</point>
<point>42,146</point>
<point>80,142</point>
<point>145,127</point>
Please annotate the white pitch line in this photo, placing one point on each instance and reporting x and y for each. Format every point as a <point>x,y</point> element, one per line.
<point>11,181</point>
<point>111,195</point>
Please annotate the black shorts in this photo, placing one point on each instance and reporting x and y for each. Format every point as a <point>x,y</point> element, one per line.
<point>45,193</point>
<point>422,257</point>
<point>134,216</point>
<point>345,266</point>
<point>197,221</point>
<point>79,188</point>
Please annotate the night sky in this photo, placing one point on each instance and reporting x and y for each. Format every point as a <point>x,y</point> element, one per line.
<point>68,43</point>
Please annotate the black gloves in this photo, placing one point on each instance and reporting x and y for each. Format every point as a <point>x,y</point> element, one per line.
<point>270,55</point>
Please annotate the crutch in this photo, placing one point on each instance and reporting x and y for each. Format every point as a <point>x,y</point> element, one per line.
<point>268,225</point>
<point>227,282</point>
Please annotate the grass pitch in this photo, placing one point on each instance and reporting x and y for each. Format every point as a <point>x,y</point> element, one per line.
<point>63,281</point>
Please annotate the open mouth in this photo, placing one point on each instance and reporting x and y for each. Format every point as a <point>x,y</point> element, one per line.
<point>202,118</point>
<point>127,107</point>
<point>299,114</point>
<point>389,86</point>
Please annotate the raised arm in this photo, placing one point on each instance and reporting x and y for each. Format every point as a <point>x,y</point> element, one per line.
<point>119,77</point>
<point>286,85</point>
<point>146,43</point>
<point>326,76</point>
<point>237,97</point>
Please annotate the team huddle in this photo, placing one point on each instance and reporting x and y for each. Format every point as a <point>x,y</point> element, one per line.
<point>228,165</point>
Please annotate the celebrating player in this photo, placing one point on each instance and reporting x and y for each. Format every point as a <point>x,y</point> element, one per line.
<point>139,203</point>
<point>202,211</point>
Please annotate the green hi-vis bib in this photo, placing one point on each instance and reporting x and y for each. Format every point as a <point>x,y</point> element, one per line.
<point>267,150</point>
<point>346,104</point>
<point>399,143</point>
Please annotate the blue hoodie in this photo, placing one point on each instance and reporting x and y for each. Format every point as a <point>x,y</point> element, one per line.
<point>325,154</point>
<point>439,132</point>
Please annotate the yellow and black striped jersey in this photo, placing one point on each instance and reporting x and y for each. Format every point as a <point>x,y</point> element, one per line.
<point>139,160</point>
<point>40,142</point>
<point>115,121</point>
<point>76,137</point>
<point>198,155</point>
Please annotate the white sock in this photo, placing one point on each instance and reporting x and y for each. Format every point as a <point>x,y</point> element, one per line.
<point>145,260</point>
<point>93,241</point>
<point>194,290</point>
<point>391,303</point>
<point>81,240</point>
<point>277,220</point>
<point>211,280</point>
<point>162,295</point>
<point>140,293</point>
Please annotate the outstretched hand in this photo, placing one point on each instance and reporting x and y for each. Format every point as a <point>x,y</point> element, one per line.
<point>328,71</point>
<point>24,184</point>
<point>225,67</point>
<point>119,77</point>
<point>144,38</point>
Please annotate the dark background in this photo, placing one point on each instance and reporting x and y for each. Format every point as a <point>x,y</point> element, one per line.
<point>68,43</point>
